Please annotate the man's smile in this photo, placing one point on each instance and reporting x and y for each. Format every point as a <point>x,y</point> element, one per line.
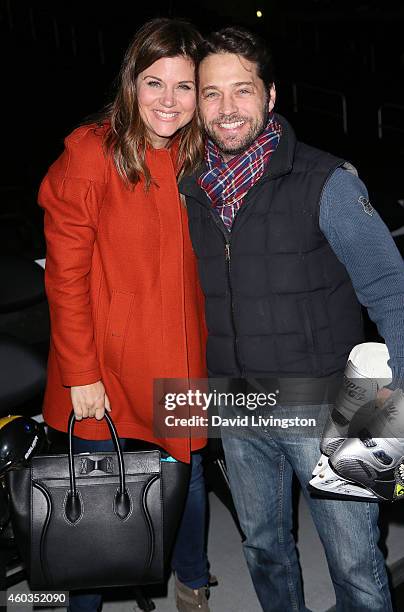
<point>231,126</point>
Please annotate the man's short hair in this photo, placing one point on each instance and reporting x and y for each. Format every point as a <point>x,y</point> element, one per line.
<point>244,43</point>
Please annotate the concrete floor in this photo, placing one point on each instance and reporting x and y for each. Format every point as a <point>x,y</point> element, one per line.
<point>235,592</point>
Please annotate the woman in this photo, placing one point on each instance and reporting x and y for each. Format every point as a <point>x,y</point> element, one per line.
<point>121,277</point>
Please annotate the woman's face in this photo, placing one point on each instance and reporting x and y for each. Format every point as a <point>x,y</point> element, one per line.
<point>166,96</point>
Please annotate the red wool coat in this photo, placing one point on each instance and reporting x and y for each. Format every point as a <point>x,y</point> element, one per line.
<point>122,286</point>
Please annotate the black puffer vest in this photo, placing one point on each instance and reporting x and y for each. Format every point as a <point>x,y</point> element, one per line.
<point>278,301</point>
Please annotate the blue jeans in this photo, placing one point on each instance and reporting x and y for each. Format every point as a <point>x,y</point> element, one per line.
<point>189,560</point>
<point>260,466</point>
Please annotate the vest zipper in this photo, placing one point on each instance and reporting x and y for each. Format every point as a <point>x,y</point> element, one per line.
<point>226,235</point>
<point>233,316</point>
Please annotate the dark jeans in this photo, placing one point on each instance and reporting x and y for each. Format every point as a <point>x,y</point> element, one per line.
<point>189,560</point>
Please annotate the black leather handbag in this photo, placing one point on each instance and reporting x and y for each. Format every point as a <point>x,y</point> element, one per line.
<point>97,519</point>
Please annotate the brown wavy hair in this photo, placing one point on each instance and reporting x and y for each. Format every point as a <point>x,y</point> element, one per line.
<point>127,137</point>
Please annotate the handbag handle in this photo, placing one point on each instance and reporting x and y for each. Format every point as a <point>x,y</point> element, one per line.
<point>73,504</point>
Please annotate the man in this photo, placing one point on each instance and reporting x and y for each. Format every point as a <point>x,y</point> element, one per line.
<point>288,245</point>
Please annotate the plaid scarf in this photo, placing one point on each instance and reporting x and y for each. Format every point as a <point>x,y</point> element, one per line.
<point>226,184</point>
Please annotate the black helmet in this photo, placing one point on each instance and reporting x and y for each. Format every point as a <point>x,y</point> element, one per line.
<point>20,437</point>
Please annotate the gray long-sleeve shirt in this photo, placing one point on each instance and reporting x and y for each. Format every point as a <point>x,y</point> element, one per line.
<point>364,245</point>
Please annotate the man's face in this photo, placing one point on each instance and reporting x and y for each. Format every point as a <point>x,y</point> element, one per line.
<point>233,102</point>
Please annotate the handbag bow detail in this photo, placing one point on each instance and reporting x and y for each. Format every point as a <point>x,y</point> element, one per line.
<point>88,465</point>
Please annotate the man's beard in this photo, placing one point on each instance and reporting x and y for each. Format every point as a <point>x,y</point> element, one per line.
<point>239,146</point>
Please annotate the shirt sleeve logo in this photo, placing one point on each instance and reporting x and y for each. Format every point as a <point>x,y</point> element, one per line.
<point>366,205</point>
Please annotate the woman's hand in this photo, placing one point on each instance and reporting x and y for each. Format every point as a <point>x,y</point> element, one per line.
<point>90,401</point>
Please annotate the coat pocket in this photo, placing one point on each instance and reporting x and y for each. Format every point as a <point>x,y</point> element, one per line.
<point>316,326</point>
<point>117,327</point>
<point>307,325</point>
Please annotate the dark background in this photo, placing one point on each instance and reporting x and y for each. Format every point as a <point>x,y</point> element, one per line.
<point>60,59</point>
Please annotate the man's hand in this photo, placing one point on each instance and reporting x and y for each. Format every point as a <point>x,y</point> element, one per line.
<point>382,396</point>
<point>90,401</point>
